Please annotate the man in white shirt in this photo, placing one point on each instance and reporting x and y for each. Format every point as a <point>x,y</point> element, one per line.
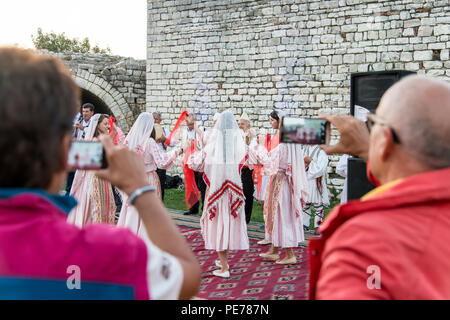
<point>87,111</point>
<point>81,122</point>
<point>247,170</point>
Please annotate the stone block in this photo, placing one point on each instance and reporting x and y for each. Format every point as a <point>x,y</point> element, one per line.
<point>423,55</point>
<point>425,31</point>
<point>411,23</point>
<point>349,58</point>
<point>443,29</point>
<point>328,38</point>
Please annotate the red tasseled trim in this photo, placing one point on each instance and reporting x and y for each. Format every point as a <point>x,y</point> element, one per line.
<point>227,185</point>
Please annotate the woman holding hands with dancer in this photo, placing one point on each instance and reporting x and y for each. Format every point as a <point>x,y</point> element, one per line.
<point>286,190</point>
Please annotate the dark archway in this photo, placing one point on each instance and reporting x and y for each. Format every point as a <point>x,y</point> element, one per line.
<point>100,106</point>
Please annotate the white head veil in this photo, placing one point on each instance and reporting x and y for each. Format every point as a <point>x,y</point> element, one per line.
<point>225,156</point>
<point>140,131</point>
<point>92,126</point>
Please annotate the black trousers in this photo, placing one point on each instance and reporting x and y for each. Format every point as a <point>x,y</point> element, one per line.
<point>248,188</point>
<point>201,185</point>
<point>69,181</point>
<point>162,180</point>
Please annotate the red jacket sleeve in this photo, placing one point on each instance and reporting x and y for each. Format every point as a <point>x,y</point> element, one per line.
<point>359,262</point>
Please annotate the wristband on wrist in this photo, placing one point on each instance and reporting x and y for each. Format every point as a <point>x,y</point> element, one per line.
<point>136,193</point>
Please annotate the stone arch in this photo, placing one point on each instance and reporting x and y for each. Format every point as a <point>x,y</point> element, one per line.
<point>109,95</point>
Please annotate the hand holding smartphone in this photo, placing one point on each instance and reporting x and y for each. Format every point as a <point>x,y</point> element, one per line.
<point>87,155</point>
<point>304,130</point>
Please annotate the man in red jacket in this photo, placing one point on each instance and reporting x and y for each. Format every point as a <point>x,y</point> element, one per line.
<point>393,244</point>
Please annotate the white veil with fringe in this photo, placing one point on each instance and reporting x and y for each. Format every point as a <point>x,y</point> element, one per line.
<point>225,155</point>
<point>90,131</point>
<point>140,132</point>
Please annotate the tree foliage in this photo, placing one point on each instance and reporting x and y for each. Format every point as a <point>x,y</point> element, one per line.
<point>60,43</point>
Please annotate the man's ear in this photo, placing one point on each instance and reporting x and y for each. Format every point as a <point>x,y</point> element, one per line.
<point>386,143</point>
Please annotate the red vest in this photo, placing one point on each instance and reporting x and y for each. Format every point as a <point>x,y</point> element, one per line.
<point>404,232</point>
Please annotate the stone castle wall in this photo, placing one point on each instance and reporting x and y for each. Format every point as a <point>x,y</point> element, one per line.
<point>295,55</point>
<point>118,81</point>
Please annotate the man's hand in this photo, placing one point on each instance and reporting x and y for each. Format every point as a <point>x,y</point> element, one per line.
<point>161,140</point>
<point>125,167</point>
<point>307,160</point>
<point>354,138</point>
<point>78,125</point>
<point>126,171</point>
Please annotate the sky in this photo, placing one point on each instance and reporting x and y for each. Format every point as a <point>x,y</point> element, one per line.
<point>120,25</point>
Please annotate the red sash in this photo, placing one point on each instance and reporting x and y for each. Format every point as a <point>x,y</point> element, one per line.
<point>191,192</point>
<point>175,129</point>
<point>270,144</point>
<point>112,132</point>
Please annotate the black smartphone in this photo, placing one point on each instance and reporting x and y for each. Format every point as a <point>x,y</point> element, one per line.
<point>304,130</point>
<point>86,155</point>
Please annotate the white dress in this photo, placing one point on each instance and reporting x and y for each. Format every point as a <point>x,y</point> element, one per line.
<point>154,157</point>
<point>223,231</point>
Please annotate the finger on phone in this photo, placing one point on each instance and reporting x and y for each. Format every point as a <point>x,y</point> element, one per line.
<point>327,117</point>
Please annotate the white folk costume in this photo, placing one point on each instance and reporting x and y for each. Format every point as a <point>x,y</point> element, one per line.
<point>138,139</point>
<point>164,271</point>
<point>342,169</point>
<point>317,178</point>
<point>94,195</point>
<point>223,220</point>
<point>286,190</point>
<point>186,135</point>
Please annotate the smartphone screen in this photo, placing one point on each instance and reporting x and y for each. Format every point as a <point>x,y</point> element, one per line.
<point>304,131</point>
<point>86,155</point>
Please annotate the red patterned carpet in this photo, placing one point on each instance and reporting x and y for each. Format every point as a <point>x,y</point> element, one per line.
<point>252,277</point>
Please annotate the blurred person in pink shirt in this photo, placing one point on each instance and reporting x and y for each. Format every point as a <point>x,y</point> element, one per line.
<point>43,256</point>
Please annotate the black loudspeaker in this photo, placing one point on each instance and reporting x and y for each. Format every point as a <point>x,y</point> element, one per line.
<point>357,183</point>
<point>366,90</point>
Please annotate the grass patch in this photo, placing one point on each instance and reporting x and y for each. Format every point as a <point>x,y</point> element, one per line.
<point>174,199</point>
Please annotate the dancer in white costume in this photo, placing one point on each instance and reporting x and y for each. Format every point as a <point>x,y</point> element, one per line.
<point>223,219</point>
<point>287,189</point>
<point>139,139</point>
